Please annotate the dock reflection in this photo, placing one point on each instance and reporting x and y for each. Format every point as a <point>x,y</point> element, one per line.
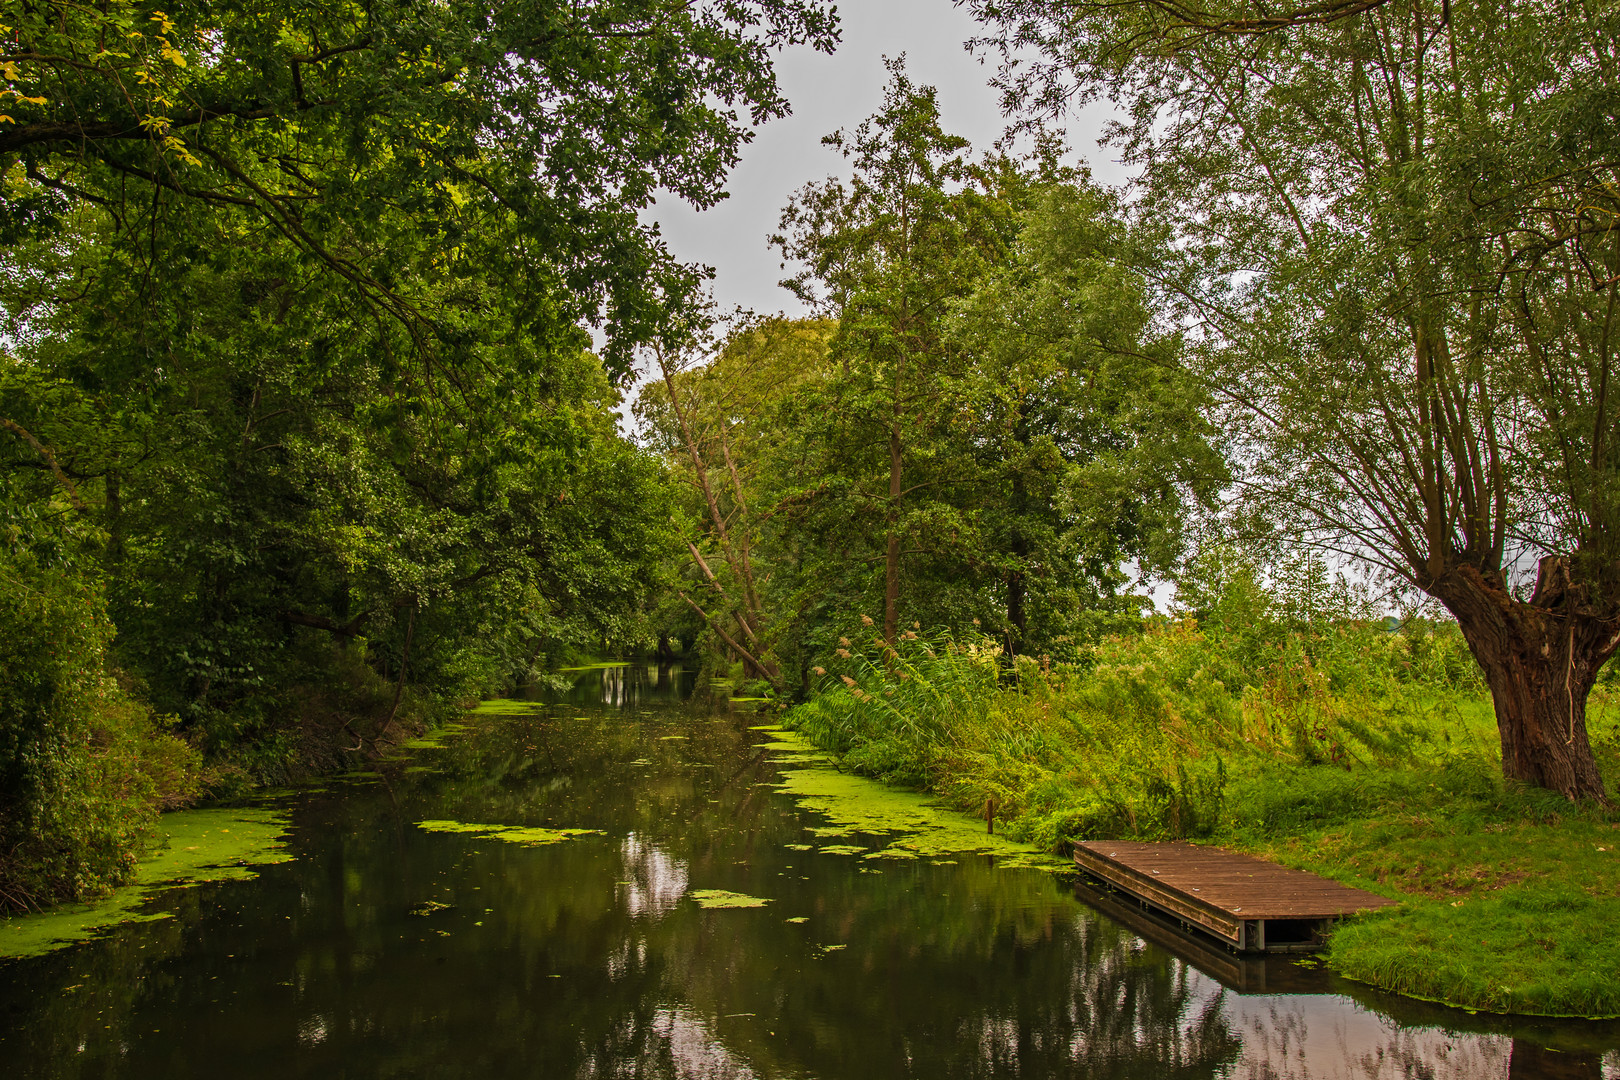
<point>1269,1006</point>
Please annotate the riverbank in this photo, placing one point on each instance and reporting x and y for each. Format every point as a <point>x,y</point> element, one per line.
<point>1367,756</point>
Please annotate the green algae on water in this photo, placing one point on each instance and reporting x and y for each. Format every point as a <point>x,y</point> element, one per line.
<point>917,826</point>
<point>505,707</point>
<point>720,898</point>
<point>196,846</point>
<point>511,834</point>
<point>434,737</point>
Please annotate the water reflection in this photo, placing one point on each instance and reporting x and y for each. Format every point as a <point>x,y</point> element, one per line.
<point>654,883</point>
<point>628,686</point>
<point>387,950</point>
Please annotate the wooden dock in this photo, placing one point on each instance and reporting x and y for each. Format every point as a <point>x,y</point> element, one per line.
<point>1249,904</point>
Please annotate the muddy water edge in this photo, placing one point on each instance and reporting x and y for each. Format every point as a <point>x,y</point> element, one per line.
<point>630,880</point>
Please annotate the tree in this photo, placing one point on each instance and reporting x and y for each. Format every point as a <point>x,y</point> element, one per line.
<point>712,416</point>
<point>888,253</point>
<point>286,501</point>
<point>1397,252</point>
<point>1088,446</point>
<point>312,120</point>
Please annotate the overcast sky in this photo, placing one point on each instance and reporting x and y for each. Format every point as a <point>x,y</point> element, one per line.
<point>829,93</point>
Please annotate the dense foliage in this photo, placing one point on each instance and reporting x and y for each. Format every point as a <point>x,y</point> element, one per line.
<point>983,427</point>
<point>84,767</point>
<point>296,378</point>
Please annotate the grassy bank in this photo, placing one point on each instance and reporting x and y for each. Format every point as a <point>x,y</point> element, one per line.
<point>1365,755</point>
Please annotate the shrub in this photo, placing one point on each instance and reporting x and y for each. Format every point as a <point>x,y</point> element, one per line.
<point>84,767</point>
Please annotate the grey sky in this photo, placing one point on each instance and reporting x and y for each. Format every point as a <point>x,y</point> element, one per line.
<point>828,93</point>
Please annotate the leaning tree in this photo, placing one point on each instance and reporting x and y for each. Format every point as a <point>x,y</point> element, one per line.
<point>1393,235</point>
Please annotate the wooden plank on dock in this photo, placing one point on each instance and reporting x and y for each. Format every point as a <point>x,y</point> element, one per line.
<point>1229,895</point>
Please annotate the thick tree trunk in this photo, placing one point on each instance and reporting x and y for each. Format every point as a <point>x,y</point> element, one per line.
<point>891,560</point>
<point>1017,620</point>
<point>1540,661</point>
<point>1017,586</point>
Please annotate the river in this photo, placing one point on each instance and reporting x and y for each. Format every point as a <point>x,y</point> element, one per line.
<point>616,883</point>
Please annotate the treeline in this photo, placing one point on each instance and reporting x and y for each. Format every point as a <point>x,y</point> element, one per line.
<point>304,438</point>
<point>988,425</point>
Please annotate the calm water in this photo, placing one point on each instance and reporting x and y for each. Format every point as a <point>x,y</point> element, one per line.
<point>388,950</point>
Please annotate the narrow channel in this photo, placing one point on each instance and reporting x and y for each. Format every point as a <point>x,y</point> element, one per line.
<point>619,882</point>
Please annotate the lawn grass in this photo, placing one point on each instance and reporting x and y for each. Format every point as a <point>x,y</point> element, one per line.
<point>1508,898</point>
<point>1367,757</point>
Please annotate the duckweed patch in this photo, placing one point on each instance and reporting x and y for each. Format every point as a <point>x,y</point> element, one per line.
<point>856,805</point>
<point>436,737</point>
<point>505,707</point>
<point>429,907</point>
<point>721,898</point>
<point>197,846</point>
<point>531,836</point>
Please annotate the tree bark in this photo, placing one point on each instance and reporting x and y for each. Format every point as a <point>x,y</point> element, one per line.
<point>1540,660</point>
<point>891,559</point>
<point>1017,619</point>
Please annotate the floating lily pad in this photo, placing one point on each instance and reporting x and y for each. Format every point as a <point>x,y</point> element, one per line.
<point>798,919</point>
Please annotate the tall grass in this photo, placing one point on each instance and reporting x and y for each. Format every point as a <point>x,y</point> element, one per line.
<point>1341,747</point>
<point>1165,734</point>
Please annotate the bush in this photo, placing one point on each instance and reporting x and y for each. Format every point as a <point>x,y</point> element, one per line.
<point>84,767</point>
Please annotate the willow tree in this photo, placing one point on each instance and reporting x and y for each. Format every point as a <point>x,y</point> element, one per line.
<point>1395,236</point>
